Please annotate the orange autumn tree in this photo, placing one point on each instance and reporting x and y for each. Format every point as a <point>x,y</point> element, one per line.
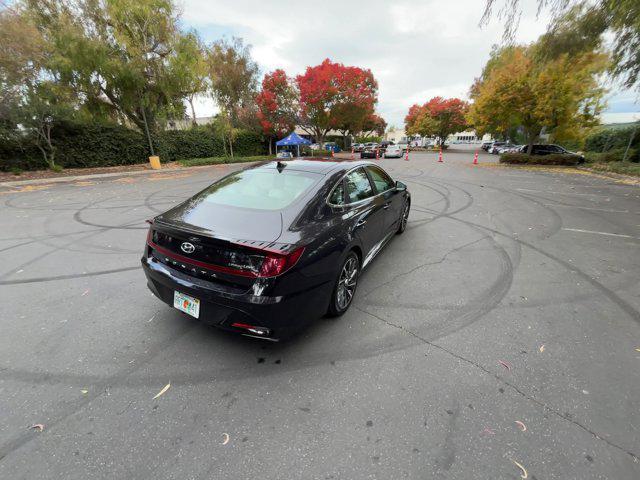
<point>277,105</point>
<point>439,117</point>
<point>335,96</point>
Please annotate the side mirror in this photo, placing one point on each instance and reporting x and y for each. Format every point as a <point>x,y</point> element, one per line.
<point>400,186</point>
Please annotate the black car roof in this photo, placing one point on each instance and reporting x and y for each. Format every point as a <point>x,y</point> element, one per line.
<point>315,165</point>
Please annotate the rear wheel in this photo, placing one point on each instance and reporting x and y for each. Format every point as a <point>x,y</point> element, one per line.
<point>404,217</point>
<point>345,287</point>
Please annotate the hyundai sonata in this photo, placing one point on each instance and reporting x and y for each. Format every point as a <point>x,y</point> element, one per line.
<point>268,249</point>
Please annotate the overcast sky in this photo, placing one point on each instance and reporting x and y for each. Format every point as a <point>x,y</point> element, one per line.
<point>415,49</point>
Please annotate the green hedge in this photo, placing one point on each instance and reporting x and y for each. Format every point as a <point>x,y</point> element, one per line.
<point>553,159</point>
<point>96,145</point>
<point>196,162</point>
<point>615,155</point>
<point>614,139</point>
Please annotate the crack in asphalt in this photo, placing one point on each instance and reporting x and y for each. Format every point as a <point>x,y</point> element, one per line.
<point>515,388</point>
<point>422,265</point>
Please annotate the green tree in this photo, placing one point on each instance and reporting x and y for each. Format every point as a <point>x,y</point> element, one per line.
<point>561,97</point>
<point>233,77</point>
<point>124,58</point>
<point>584,23</point>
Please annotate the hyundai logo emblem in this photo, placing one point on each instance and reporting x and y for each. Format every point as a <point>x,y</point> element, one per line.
<point>187,247</point>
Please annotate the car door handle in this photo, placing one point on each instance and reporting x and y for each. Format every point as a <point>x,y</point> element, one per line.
<point>361,223</point>
<point>386,206</point>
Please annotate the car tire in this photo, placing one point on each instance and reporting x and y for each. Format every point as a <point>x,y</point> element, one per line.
<point>404,216</point>
<point>345,287</point>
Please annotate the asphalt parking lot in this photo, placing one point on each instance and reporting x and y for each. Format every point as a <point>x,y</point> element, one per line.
<point>513,296</point>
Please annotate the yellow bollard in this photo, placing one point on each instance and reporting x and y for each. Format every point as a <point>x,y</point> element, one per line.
<point>155,162</point>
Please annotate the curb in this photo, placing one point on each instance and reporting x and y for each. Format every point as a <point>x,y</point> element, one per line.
<point>74,178</point>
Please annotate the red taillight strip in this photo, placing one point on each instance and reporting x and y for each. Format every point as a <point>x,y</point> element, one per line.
<point>198,263</point>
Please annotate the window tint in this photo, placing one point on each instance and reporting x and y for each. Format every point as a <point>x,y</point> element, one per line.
<point>358,186</point>
<point>337,196</point>
<point>381,180</point>
<point>259,189</point>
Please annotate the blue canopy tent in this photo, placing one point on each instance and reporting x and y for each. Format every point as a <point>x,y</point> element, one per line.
<point>292,139</point>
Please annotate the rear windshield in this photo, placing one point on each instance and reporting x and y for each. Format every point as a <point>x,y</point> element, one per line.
<point>259,189</point>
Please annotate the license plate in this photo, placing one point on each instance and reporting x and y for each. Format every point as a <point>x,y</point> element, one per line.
<point>187,304</point>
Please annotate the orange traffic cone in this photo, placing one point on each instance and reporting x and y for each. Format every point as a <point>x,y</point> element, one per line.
<point>377,154</point>
<point>440,156</point>
<point>332,153</point>
<point>406,155</point>
<point>475,158</point>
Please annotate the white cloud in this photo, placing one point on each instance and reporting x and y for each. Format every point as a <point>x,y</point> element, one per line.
<point>416,49</point>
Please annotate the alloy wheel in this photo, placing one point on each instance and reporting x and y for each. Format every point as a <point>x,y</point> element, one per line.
<point>347,283</point>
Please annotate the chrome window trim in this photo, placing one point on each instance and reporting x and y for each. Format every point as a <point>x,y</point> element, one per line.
<point>359,201</point>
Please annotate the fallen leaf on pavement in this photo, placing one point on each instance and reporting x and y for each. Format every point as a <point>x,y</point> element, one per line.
<point>161,392</point>
<point>505,364</point>
<point>225,437</point>
<point>524,470</point>
<point>541,348</point>
<point>85,292</point>
<point>637,349</point>
<point>84,392</point>
<point>37,426</point>
<point>521,425</point>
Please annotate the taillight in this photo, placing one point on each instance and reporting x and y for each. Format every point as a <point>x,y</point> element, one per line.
<point>275,264</point>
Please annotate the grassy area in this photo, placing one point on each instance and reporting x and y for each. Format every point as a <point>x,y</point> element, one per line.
<point>196,162</point>
<point>624,168</point>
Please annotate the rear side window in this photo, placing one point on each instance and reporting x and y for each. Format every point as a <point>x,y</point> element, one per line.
<point>358,186</point>
<point>259,189</point>
<point>337,196</point>
<point>381,180</point>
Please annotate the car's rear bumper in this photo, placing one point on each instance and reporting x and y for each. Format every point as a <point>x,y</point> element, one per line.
<point>282,315</point>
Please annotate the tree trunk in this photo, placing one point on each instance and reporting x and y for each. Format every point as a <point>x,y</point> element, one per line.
<point>146,130</point>
<point>270,139</point>
<point>193,112</point>
<point>231,145</point>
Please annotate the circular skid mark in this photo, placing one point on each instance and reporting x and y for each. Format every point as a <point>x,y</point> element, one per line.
<point>67,277</point>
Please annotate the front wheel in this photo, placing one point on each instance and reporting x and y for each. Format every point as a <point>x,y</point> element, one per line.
<point>404,217</point>
<point>345,287</point>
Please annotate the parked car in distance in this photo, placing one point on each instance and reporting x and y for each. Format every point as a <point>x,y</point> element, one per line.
<point>266,250</point>
<point>511,149</point>
<point>548,149</point>
<point>314,146</point>
<point>393,151</point>
<point>485,146</point>
<point>358,147</point>
<point>494,147</point>
<point>284,154</point>
<point>502,148</point>
<point>404,146</point>
<point>370,152</point>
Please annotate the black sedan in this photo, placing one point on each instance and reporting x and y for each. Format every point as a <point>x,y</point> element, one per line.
<point>266,250</point>
<point>371,152</point>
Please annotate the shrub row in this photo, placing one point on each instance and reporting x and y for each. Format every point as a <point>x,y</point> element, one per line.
<point>615,155</point>
<point>615,140</point>
<point>553,159</point>
<point>97,145</point>
<point>196,162</point>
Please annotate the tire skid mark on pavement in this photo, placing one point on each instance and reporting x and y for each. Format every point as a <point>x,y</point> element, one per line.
<point>68,277</point>
<point>100,387</point>
<point>505,382</point>
<point>205,376</point>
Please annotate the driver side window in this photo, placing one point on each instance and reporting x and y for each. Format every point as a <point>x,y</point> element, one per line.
<point>358,186</point>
